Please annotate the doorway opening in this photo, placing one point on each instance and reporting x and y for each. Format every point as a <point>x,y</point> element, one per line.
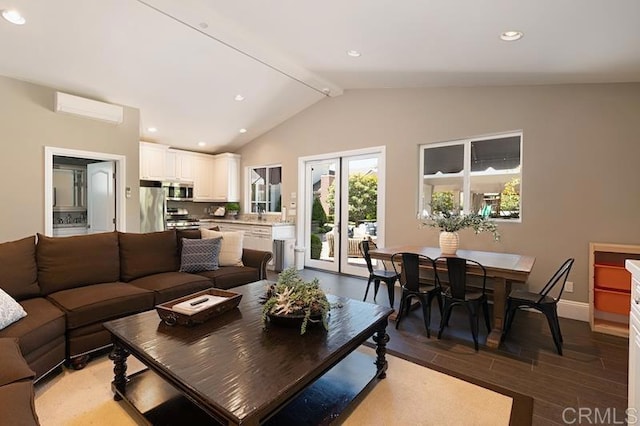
<point>342,204</point>
<point>84,192</point>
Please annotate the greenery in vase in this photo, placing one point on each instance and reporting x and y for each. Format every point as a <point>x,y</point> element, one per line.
<point>291,295</point>
<point>453,222</point>
<point>233,207</point>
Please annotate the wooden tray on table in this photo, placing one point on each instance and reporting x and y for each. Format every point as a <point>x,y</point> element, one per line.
<point>198,307</point>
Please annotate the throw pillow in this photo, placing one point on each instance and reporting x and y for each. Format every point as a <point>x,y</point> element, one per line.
<point>10,310</point>
<point>200,255</point>
<point>231,250</point>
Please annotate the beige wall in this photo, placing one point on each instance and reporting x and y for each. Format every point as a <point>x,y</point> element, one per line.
<point>27,125</point>
<point>581,160</point>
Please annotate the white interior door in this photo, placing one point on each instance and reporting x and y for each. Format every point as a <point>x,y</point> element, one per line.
<point>101,199</point>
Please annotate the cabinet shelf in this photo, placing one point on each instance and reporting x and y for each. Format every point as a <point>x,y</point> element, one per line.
<point>610,287</point>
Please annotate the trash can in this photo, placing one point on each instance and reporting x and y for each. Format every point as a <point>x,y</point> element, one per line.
<point>299,257</point>
<point>283,253</point>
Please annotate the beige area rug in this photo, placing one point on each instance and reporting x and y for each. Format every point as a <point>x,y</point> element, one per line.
<point>410,395</point>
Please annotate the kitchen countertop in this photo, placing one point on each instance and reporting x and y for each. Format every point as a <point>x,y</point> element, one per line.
<point>247,222</point>
<point>69,225</point>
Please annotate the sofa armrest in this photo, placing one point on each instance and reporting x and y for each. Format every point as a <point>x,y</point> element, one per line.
<point>257,259</point>
<point>14,367</point>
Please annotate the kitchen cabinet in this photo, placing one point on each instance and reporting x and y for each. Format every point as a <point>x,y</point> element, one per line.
<point>610,287</point>
<point>216,178</point>
<point>179,165</point>
<point>152,161</point>
<point>69,231</point>
<point>257,235</point>
<point>633,267</point>
<point>203,177</point>
<point>226,177</point>
<point>69,188</point>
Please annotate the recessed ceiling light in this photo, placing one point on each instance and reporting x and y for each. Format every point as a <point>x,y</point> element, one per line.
<point>243,130</point>
<point>201,143</point>
<point>511,35</point>
<point>152,129</point>
<point>203,25</point>
<point>13,16</point>
<point>353,53</point>
<point>239,98</point>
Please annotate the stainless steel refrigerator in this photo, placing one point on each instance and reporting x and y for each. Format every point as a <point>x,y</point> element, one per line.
<point>153,206</point>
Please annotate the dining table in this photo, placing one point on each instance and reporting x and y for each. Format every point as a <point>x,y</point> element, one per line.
<point>503,269</point>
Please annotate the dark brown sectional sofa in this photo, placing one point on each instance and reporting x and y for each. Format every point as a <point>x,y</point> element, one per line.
<point>70,285</point>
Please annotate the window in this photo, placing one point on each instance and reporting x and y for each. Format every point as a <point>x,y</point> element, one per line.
<point>266,189</point>
<point>477,175</point>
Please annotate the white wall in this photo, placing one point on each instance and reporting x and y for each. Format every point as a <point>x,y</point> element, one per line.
<point>581,160</point>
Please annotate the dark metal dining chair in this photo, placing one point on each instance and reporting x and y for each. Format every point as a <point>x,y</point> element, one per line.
<point>413,287</point>
<point>377,275</point>
<point>543,302</point>
<point>459,294</point>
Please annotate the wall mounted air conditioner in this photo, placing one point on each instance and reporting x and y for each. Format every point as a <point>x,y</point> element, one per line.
<point>88,108</point>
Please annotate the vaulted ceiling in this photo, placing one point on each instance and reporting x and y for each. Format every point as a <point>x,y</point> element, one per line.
<point>182,63</point>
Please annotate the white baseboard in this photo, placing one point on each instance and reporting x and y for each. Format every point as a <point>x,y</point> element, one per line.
<point>574,310</point>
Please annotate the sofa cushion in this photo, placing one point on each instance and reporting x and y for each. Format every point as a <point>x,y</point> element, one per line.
<point>44,322</point>
<point>69,262</point>
<point>10,310</point>
<point>232,276</point>
<point>101,302</point>
<point>18,270</point>
<point>17,404</point>
<point>200,255</point>
<point>14,367</point>
<point>171,285</point>
<point>231,250</point>
<point>147,254</point>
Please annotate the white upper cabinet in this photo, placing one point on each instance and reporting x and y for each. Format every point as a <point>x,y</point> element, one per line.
<point>215,177</point>
<point>226,177</point>
<point>203,177</point>
<point>152,161</point>
<point>180,165</point>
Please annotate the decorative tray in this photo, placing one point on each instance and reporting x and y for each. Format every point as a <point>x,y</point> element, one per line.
<point>198,307</point>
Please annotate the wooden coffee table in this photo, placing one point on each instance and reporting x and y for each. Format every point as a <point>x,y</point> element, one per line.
<point>229,370</point>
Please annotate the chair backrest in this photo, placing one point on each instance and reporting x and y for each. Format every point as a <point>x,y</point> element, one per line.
<point>365,246</point>
<point>457,273</point>
<point>559,278</point>
<point>410,272</point>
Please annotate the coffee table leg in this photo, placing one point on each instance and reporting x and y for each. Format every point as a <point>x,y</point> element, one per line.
<point>119,357</point>
<point>381,338</point>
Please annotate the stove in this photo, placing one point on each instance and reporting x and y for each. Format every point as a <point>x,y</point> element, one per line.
<point>179,219</point>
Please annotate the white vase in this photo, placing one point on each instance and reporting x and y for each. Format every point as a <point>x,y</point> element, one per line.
<point>449,243</point>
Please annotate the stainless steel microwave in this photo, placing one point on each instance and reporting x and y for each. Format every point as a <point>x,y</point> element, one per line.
<point>178,191</point>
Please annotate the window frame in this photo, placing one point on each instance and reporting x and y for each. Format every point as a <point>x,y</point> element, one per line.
<point>466,174</point>
<point>249,202</point>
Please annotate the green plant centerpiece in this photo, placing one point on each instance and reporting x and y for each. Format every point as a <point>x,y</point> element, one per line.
<point>450,223</point>
<point>292,297</point>
<point>454,222</point>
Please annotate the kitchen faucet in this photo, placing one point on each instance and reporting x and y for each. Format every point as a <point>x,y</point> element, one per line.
<point>260,211</point>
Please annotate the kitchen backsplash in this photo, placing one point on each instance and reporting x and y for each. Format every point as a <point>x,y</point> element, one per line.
<point>68,218</point>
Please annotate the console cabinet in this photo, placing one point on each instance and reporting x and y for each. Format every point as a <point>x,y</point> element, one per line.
<point>610,287</point>
<point>633,267</point>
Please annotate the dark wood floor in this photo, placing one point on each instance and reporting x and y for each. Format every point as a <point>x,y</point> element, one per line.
<point>592,373</point>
